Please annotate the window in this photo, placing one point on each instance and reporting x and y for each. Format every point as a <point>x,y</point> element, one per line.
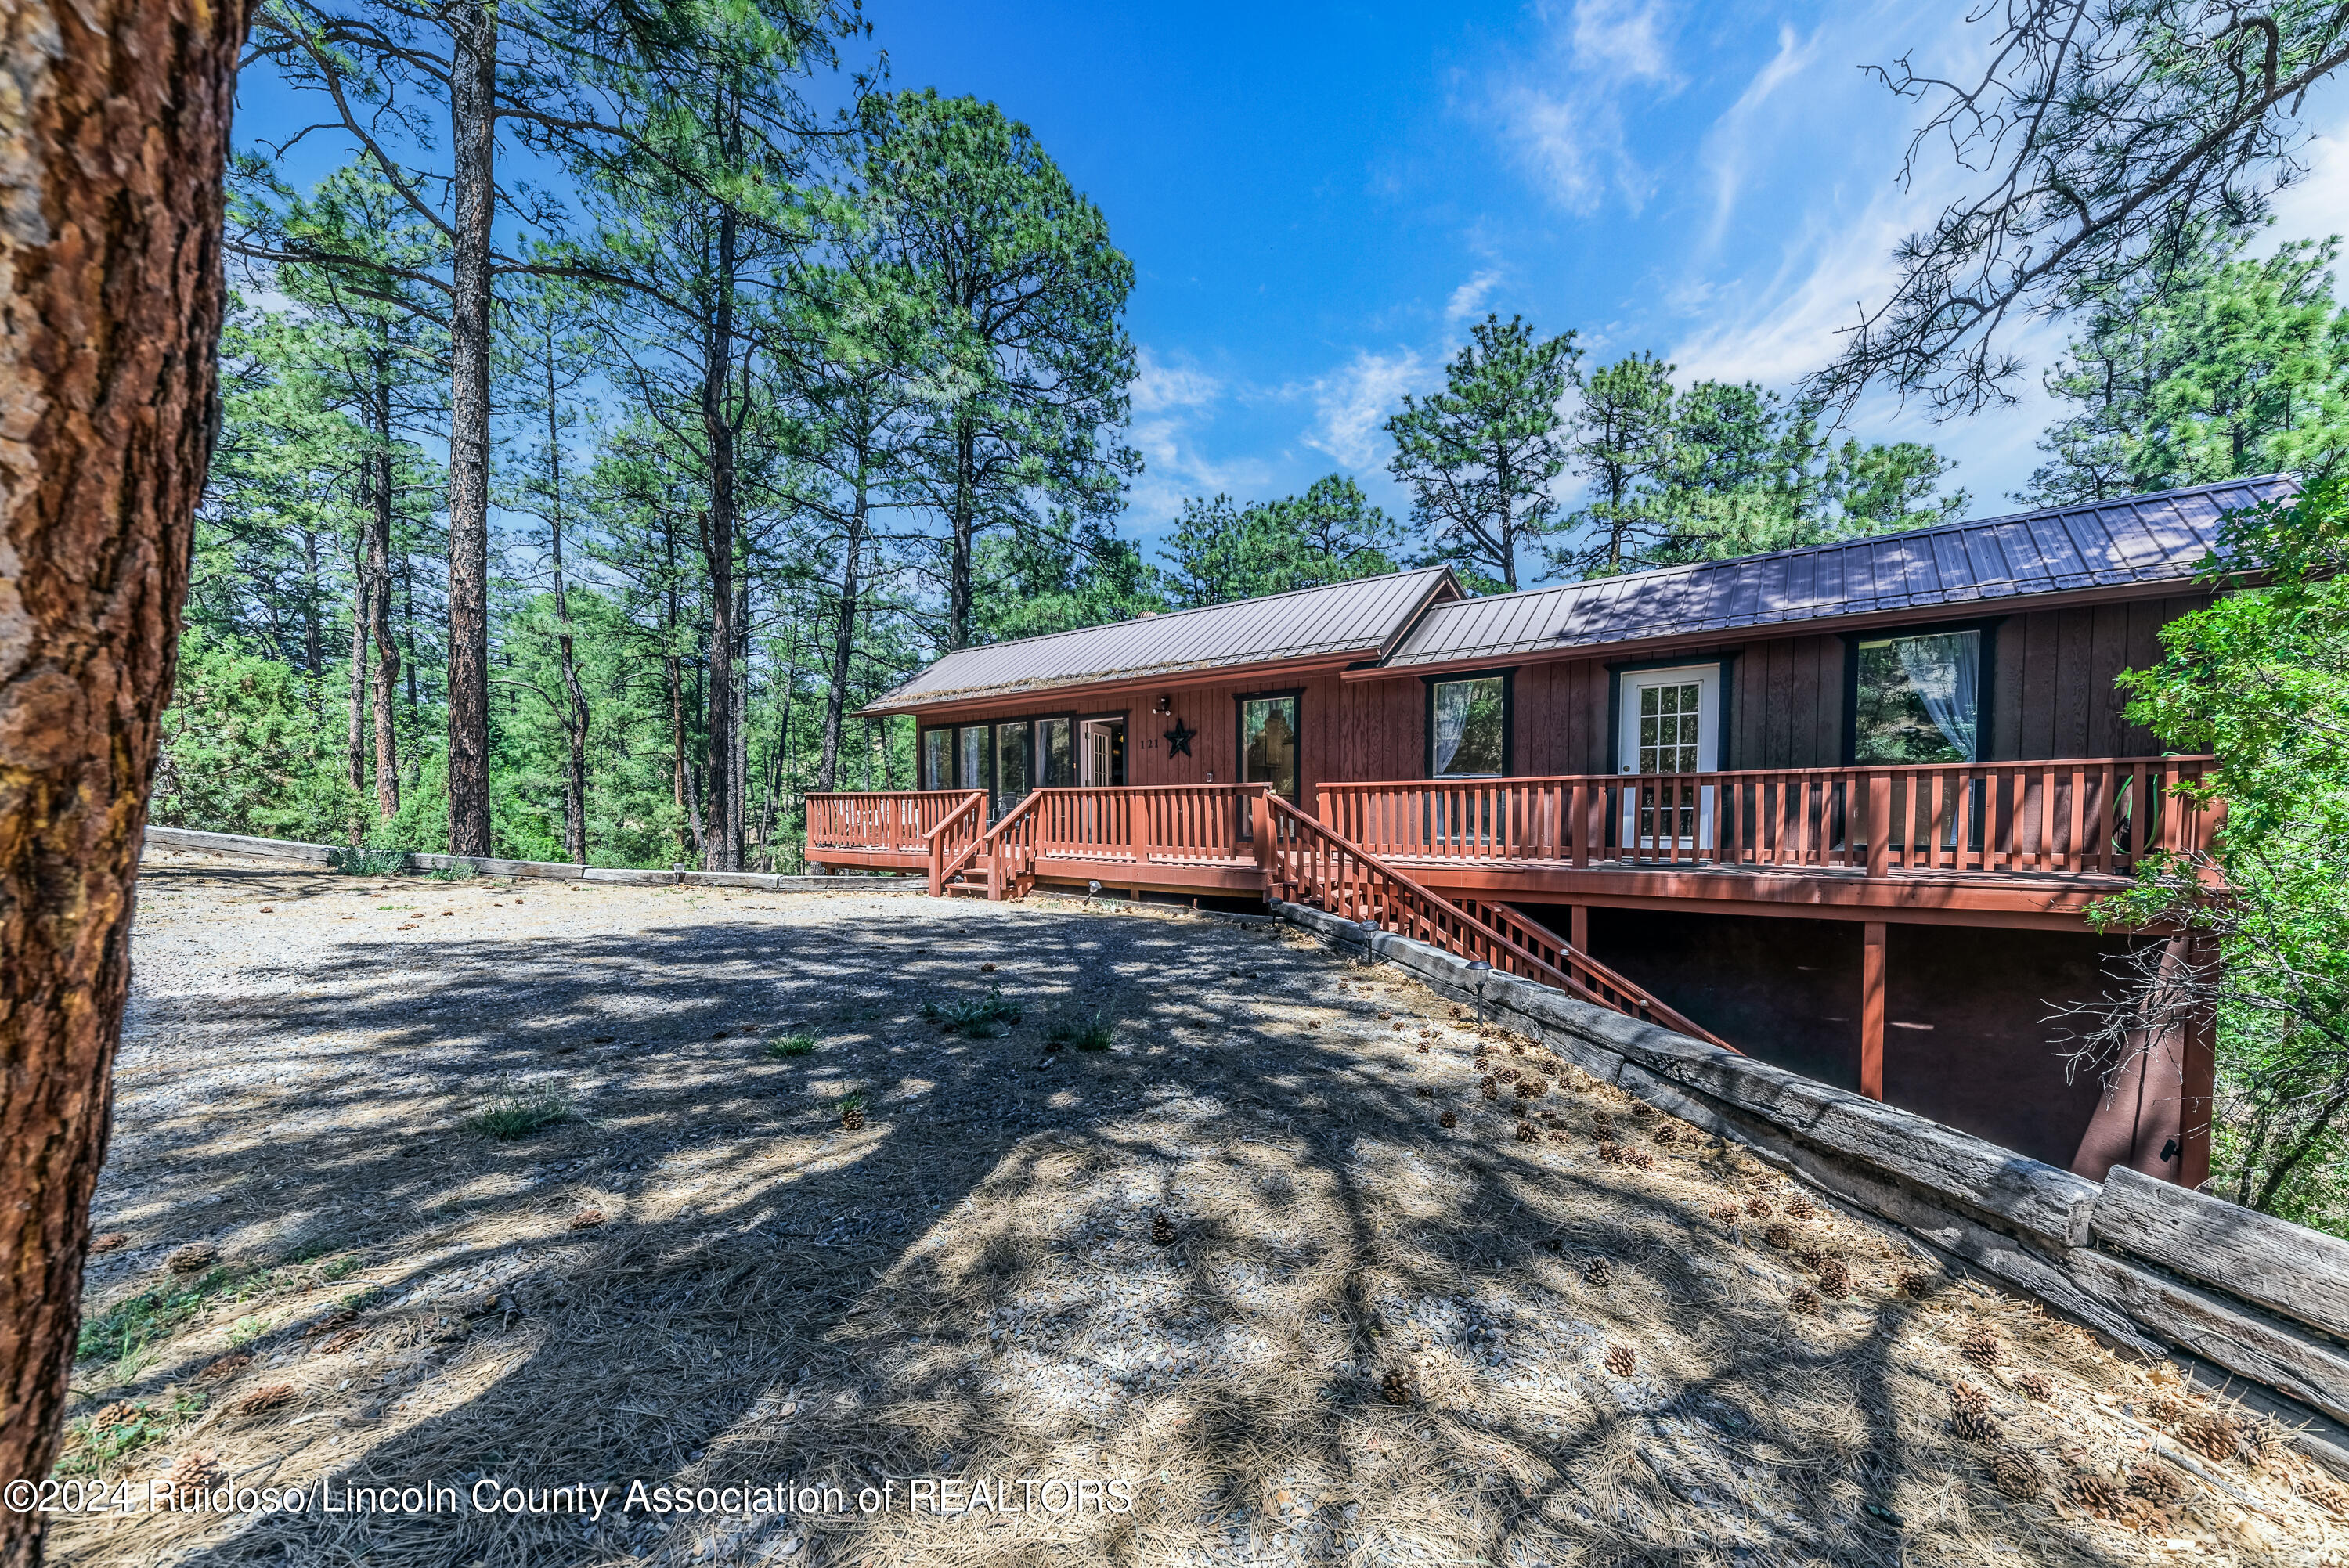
<point>1013,759</point>
<point>937,759</point>
<point>970,741</point>
<point>1060,753</point>
<point>1671,727</point>
<point>1269,743</point>
<point>1468,727</point>
<point>1917,699</point>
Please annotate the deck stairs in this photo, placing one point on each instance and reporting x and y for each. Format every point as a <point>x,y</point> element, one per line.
<point>1305,860</point>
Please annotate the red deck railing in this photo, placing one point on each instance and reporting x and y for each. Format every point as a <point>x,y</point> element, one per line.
<point>2092,815</point>
<point>888,820</point>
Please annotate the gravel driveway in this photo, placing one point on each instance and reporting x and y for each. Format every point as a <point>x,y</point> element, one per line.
<point>1225,1291</point>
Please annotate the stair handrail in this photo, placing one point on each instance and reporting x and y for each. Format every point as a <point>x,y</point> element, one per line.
<point>999,835</point>
<point>933,844</point>
<point>1476,939</point>
<point>1628,998</point>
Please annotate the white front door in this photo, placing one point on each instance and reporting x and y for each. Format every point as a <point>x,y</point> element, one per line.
<point>1671,725</point>
<point>1095,758</point>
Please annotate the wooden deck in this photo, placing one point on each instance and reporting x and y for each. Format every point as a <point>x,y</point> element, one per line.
<point>2023,843</point>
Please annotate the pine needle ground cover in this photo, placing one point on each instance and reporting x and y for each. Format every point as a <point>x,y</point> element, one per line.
<point>1236,1260</point>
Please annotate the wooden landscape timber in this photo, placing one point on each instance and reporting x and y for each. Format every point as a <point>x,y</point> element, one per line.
<point>2145,1263</point>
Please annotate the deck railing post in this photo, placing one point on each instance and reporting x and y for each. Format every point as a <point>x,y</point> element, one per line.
<point>1880,824</point>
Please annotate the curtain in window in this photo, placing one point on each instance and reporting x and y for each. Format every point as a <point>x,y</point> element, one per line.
<point>1453,700</point>
<point>1945,672</point>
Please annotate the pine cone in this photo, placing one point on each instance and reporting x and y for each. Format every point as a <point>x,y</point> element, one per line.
<point>1779,1236</point>
<point>2034,1385</point>
<point>2332,1499</point>
<point>193,1258</point>
<point>226,1366</point>
<point>1667,1135</point>
<point>118,1414</point>
<point>1533,1086</point>
<point>1599,1272</point>
<point>1492,1090</point>
<point>1603,1125</point>
<point>1835,1279</point>
<point>1528,1133</point>
<point>1799,1207</point>
<point>1642,1110</point>
<point>1916,1282</point>
<point>1969,1397</point>
<point>1804,1300</point>
<point>1424,1047</point>
<point>113,1241</point>
<point>2157,1483</point>
<point>1162,1230</point>
<point>1610,1153</point>
<point>1639,1158</point>
<point>1758,1207</point>
<point>852,1118</point>
<point>1507,1075</point>
<point>268,1396</point>
<point>2093,1494</point>
<point>2214,1436</point>
<point>2172,1411</point>
<point>2016,1476</point>
<point>1621,1360</point>
<point>1981,1347</point>
<point>1424,1092</point>
<point>1557,1136</point>
<point>193,1473</point>
<point>2261,1441</point>
<point>1810,1257</point>
<point>1724,1213</point>
<point>1395,1388</point>
<point>1447,1120</point>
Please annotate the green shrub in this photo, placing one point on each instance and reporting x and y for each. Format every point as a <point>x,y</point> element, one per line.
<point>793,1045</point>
<point>981,1019</point>
<point>357,861</point>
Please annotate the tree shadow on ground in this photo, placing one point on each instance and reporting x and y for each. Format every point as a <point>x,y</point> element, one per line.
<point>969,1286</point>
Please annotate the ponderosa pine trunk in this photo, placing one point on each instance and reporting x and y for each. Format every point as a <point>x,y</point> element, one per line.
<point>378,572</point>
<point>843,640</point>
<point>964,522</point>
<point>355,742</point>
<point>721,850</point>
<point>111,142</point>
<point>472,127</point>
<point>574,717</point>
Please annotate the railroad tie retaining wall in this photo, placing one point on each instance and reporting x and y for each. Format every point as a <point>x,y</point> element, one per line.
<point>2236,1295</point>
<point>553,871</point>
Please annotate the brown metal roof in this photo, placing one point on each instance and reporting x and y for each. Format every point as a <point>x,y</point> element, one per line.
<point>1364,617</point>
<point>2140,539</point>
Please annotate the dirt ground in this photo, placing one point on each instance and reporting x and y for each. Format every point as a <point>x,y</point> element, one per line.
<point>1226,1291</point>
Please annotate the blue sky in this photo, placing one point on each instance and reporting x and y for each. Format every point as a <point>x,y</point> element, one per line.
<point>1318,199</point>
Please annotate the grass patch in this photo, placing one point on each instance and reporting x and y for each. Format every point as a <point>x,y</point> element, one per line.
<point>516,1113</point>
<point>793,1045</point>
<point>982,1018</point>
<point>359,863</point>
<point>94,1443</point>
<point>123,1329</point>
<point>1097,1033</point>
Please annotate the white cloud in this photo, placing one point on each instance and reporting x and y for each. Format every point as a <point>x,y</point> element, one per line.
<point>1353,404</point>
<point>1469,297</point>
<point>1159,386</point>
<point>1728,147</point>
<point>1572,136</point>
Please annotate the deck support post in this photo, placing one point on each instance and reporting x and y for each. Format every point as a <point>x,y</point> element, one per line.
<point>1871,1011</point>
<point>2196,1102</point>
<point>1577,926</point>
<point>1880,824</point>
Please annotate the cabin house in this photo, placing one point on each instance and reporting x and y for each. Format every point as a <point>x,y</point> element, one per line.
<point>1844,808</point>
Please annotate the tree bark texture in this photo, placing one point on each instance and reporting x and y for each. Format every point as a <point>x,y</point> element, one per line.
<point>843,640</point>
<point>473,129</point>
<point>114,122</point>
<point>720,849</point>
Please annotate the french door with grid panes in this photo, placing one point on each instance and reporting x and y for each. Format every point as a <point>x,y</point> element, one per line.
<point>1671,725</point>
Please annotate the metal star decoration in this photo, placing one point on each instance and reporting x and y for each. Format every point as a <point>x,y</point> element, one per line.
<point>1179,738</point>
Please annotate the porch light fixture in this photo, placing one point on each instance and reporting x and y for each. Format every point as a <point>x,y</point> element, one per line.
<point>1480,969</point>
<point>1165,705</point>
